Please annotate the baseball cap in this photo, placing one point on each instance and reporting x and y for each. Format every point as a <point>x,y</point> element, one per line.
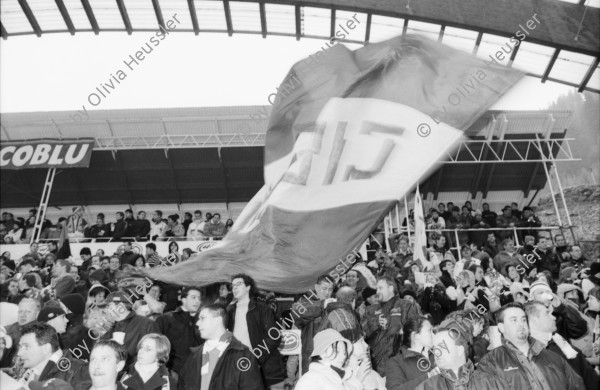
<point>49,313</point>
<point>324,339</point>
<point>118,297</point>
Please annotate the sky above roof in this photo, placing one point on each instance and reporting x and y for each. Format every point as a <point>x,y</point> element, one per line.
<point>60,72</point>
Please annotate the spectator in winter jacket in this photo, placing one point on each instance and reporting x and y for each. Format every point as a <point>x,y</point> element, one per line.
<point>180,328</point>
<point>383,321</point>
<point>542,325</point>
<point>174,229</point>
<point>43,359</point>
<point>507,220</point>
<point>412,363</point>
<point>309,311</point>
<point>129,256</point>
<point>214,227</point>
<point>250,321</point>
<point>157,226</point>
<point>100,231</point>
<point>140,228</point>
<point>327,373</point>
<point>119,228</point>
<point>546,259</point>
<point>149,371</point>
<point>128,326</point>
<point>523,361</point>
<point>570,322</point>
<point>456,370</point>
<point>222,362</point>
<point>507,255</point>
<point>528,220</point>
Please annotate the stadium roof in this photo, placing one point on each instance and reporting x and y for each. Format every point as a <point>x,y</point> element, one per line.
<point>563,47</point>
<point>215,154</point>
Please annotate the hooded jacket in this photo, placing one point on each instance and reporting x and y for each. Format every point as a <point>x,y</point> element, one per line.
<point>540,370</point>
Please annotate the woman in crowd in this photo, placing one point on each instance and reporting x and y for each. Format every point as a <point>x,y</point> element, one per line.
<point>149,371</point>
<point>174,256</point>
<point>412,361</point>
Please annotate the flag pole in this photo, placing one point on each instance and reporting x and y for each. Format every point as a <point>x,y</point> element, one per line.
<point>407,220</point>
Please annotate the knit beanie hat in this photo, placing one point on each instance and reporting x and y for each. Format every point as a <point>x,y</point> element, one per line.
<point>538,285</point>
<point>368,292</point>
<point>74,302</point>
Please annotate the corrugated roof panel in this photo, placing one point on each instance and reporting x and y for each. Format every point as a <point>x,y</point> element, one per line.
<point>84,129</point>
<point>316,21</point>
<point>77,14</point>
<point>107,14</point>
<point>138,128</point>
<point>429,30</point>
<point>384,27</point>
<point>533,58</point>
<point>180,9</point>
<point>211,15</point>
<point>280,18</point>
<point>141,14</point>
<point>499,48</point>
<point>571,66</point>
<point>47,15</point>
<point>355,24</point>
<point>460,39</point>
<point>13,17</point>
<point>245,16</point>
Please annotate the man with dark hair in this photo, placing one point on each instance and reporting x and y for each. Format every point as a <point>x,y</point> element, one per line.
<point>86,257</point>
<point>100,230</point>
<point>542,325</point>
<point>42,359</point>
<point>523,361</point>
<point>180,328</point>
<point>196,228</point>
<point>129,256</point>
<point>451,351</point>
<point>140,228</point>
<point>128,327</point>
<point>63,282</point>
<point>250,321</point>
<point>507,220</point>
<point>152,258</point>
<point>119,228</point>
<point>309,311</point>
<point>383,321</point>
<point>528,220</point>
<point>129,221</point>
<point>546,259</point>
<point>215,227</point>
<point>157,226</point>
<point>222,361</point>
<point>175,228</point>
<point>107,359</point>
<point>490,247</point>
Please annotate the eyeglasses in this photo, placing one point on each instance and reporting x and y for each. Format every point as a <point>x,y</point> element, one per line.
<point>238,284</point>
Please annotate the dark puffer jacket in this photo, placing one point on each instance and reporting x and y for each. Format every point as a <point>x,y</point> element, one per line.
<point>407,369</point>
<point>263,330</point>
<point>467,379</point>
<point>550,371</point>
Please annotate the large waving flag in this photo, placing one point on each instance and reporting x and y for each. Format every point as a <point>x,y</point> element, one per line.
<point>419,251</point>
<point>350,133</point>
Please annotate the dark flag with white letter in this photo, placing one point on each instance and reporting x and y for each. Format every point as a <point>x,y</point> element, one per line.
<point>353,133</point>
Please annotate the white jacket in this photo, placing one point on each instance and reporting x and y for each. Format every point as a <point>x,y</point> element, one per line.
<point>321,377</point>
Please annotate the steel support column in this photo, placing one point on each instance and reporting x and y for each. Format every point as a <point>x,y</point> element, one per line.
<point>41,213</point>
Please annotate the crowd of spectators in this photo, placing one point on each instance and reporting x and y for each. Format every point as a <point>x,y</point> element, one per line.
<point>125,226</point>
<point>494,316</point>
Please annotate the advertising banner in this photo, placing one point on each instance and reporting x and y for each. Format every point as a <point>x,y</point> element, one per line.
<point>66,153</point>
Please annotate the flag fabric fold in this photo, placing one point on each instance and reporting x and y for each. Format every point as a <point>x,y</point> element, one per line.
<point>356,132</point>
